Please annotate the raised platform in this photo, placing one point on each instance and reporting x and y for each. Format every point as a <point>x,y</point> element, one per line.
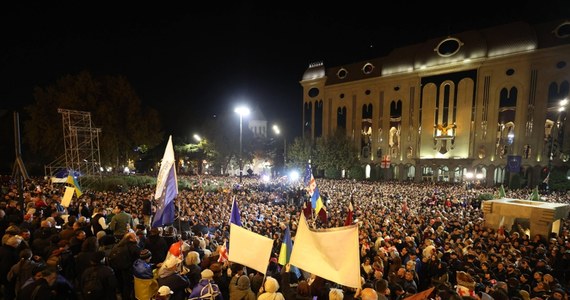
<point>544,217</point>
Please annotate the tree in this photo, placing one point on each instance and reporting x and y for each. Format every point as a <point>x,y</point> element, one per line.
<point>336,152</point>
<point>299,153</point>
<point>128,128</point>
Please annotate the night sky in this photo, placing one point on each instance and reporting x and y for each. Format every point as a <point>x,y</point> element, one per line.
<point>189,62</point>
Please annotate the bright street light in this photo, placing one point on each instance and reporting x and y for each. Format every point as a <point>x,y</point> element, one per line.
<point>277,131</point>
<point>241,111</point>
<point>197,138</point>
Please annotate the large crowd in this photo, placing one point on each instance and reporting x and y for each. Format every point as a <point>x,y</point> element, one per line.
<point>413,237</point>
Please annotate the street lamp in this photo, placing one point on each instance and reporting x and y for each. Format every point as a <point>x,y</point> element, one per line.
<point>278,132</point>
<point>197,137</point>
<point>241,111</point>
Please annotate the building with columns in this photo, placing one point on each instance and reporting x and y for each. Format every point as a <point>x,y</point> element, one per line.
<point>477,105</point>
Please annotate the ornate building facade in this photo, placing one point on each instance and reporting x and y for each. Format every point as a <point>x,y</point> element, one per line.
<point>477,105</point>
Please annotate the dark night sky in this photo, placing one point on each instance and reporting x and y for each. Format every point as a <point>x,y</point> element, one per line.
<point>189,62</point>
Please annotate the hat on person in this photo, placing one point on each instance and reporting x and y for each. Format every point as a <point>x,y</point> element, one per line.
<point>243,282</point>
<point>271,285</point>
<point>165,291</point>
<point>207,274</point>
<point>145,253</point>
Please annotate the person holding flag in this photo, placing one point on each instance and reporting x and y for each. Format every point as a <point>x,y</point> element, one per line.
<point>314,193</point>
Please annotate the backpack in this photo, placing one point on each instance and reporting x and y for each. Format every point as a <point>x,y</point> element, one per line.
<point>91,285</point>
<point>209,292</point>
<point>64,261</point>
<point>119,257</point>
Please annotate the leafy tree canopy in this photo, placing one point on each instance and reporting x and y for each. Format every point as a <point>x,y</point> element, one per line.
<point>127,128</point>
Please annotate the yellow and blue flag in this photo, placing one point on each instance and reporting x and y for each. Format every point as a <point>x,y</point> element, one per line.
<point>285,252</point>
<point>73,181</point>
<point>316,200</point>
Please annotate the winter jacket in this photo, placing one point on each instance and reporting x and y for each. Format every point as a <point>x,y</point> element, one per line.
<point>240,288</point>
<point>142,269</point>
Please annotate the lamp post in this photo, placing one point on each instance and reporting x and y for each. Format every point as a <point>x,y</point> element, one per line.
<point>278,132</point>
<point>198,139</point>
<point>241,111</point>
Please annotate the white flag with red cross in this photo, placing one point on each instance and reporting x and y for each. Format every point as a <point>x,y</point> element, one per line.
<point>385,163</point>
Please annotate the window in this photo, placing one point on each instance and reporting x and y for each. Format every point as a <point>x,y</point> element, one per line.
<point>341,74</point>
<point>313,92</point>
<point>448,47</point>
<point>368,68</point>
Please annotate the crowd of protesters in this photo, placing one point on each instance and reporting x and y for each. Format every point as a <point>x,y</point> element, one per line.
<point>413,236</point>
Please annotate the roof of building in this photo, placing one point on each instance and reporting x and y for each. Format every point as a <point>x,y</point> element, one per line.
<point>474,45</point>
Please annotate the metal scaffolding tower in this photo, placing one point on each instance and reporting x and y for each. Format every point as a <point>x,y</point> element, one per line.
<point>81,141</point>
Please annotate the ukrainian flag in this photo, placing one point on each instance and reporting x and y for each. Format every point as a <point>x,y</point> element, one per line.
<point>73,181</point>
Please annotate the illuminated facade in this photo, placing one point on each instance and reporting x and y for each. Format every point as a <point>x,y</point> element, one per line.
<point>470,105</point>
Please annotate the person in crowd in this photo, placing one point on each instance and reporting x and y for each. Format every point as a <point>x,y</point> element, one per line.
<point>206,288</point>
<point>147,210</point>
<point>41,287</point>
<point>121,259</point>
<point>336,294</point>
<point>9,256</point>
<point>191,268</point>
<point>221,279</point>
<point>270,290</point>
<point>164,293</point>
<point>98,220</point>
<point>381,287</point>
<point>169,275</point>
<point>83,259</point>
<point>301,292</point>
<point>23,270</point>
<point>142,268</point>
<point>368,294</point>
<point>121,222</point>
<point>98,281</point>
<point>156,244</point>
<point>240,288</point>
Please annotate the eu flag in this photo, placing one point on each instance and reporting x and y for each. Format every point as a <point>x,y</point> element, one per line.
<point>235,215</point>
<point>166,188</point>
